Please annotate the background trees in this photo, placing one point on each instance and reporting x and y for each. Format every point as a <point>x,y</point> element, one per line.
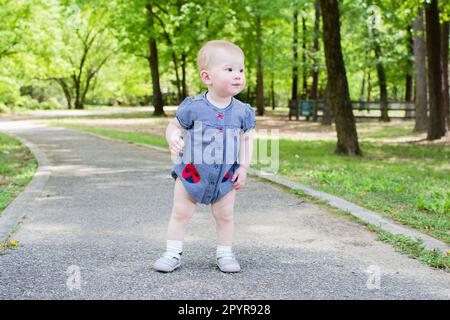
<point>144,51</point>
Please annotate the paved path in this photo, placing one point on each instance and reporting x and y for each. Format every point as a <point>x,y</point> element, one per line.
<point>104,211</point>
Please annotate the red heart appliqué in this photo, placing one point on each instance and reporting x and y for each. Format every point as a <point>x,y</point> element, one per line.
<point>226,176</point>
<point>190,173</point>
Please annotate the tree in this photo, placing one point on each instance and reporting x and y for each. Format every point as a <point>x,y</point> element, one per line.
<point>436,124</point>
<point>409,66</point>
<point>26,56</point>
<point>420,74</point>
<point>88,46</point>
<point>256,14</point>
<point>136,27</point>
<point>259,67</point>
<point>294,94</point>
<point>153,61</point>
<point>315,72</point>
<point>373,31</point>
<point>444,70</point>
<point>337,88</point>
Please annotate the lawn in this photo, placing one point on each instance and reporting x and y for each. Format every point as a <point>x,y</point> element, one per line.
<point>410,184</point>
<point>17,167</point>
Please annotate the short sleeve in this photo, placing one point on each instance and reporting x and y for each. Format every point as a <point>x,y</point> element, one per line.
<point>249,118</point>
<point>184,113</point>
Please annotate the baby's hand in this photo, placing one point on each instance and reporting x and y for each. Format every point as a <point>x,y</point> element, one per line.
<point>239,178</point>
<point>176,143</point>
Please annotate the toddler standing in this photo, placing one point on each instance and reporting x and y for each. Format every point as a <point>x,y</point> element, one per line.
<point>211,139</point>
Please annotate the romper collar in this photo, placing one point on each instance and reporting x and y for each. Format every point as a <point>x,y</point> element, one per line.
<point>203,97</point>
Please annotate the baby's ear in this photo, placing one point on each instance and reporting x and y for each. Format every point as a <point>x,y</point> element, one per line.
<point>204,75</point>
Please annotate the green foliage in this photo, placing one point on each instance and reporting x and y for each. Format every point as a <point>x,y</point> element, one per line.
<point>17,167</point>
<point>45,40</point>
<point>435,202</point>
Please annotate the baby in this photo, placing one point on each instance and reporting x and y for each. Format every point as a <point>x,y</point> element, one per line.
<point>211,143</point>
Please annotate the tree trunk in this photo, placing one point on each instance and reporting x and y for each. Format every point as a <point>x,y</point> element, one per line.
<point>65,87</point>
<point>154,70</point>
<point>259,72</point>
<point>436,124</point>
<point>77,80</point>
<point>315,74</point>
<point>421,74</point>
<point>157,95</point>
<point>183,75</point>
<point>327,114</point>
<point>304,66</point>
<point>338,95</point>
<point>444,68</point>
<point>294,96</point>
<point>381,76</point>
<point>173,55</point>
<point>272,90</point>
<point>409,70</point>
<point>177,77</point>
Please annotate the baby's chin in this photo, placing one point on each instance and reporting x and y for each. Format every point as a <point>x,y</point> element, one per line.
<point>236,91</point>
<point>232,91</point>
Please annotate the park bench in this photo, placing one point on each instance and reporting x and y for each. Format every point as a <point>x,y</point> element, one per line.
<point>306,107</point>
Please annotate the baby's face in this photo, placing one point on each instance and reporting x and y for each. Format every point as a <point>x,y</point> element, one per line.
<point>226,75</point>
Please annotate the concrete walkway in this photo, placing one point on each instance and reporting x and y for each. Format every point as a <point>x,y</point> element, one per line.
<point>101,219</point>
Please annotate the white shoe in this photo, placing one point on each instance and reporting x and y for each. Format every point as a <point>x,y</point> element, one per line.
<point>168,262</point>
<point>228,263</point>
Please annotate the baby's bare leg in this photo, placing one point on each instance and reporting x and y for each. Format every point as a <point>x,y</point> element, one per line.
<point>182,211</point>
<point>223,212</point>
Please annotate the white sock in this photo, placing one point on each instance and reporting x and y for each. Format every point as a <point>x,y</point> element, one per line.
<point>175,247</point>
<point>223,250</point>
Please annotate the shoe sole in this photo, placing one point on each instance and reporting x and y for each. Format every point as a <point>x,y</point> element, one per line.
<point>163,268</point>
<point>229,271</point>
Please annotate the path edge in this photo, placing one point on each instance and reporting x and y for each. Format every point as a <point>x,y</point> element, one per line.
<point>15,212</point>
<point>357,211</point>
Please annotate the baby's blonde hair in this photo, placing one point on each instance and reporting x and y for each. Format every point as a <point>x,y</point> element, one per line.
<point>207,52</point>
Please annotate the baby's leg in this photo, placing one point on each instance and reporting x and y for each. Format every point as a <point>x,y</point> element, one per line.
<point>223,212</point>
<point>182,211</point>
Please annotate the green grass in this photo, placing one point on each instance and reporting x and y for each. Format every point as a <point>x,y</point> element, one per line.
<point>414,249</point>
<point>391,132</point>
<point>121,135</point>
<point>17,167</point>
<point>124,115</point>
<point>410,184</point>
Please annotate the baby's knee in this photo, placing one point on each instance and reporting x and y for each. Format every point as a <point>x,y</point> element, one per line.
<point>181,212</point>
<point>224,216</point>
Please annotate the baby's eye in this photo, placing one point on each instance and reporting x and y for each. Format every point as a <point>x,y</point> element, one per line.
<point>241,71</point>
<point>229,69</point>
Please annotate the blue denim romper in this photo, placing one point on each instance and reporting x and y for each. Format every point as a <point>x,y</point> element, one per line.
<point>206,181</point>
